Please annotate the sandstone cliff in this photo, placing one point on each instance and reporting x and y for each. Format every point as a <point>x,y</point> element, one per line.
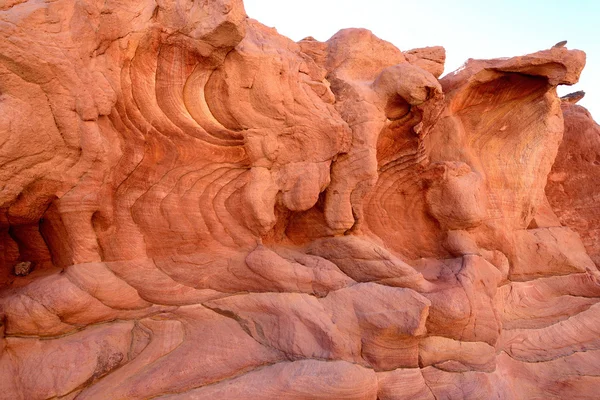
<point>193,206</point>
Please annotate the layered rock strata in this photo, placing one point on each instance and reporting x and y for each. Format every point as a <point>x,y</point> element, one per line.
<point>193,206</point>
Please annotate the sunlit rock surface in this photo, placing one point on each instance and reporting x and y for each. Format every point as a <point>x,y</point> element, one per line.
<point>193,206</point>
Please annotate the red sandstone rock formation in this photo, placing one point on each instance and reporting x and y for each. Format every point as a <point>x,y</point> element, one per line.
<point>194,206</point>
<point>573,186</point>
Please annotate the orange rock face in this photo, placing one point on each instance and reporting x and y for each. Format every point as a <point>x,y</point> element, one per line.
<point>573,184</point>
<point>193,206</point>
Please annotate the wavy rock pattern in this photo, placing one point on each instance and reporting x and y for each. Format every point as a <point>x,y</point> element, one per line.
<point>572,186</point>
<point>194,206</point>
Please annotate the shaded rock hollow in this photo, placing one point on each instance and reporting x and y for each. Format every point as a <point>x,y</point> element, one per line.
<point>194,206</point>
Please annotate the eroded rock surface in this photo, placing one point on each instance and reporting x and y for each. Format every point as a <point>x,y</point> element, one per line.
<point>193,206</point>
<point>573,186</point>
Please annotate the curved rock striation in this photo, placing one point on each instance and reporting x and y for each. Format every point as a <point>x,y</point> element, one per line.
<point>194,206</point>
<point>572,186</point>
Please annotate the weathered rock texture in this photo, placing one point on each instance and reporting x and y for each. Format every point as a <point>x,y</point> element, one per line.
<point>573,187</point>
<point>194,206</point>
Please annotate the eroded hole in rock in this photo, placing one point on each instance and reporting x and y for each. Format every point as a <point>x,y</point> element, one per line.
<point>396,108</point>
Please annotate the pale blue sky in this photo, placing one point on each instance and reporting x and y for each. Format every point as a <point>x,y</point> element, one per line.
<point>466,28</point>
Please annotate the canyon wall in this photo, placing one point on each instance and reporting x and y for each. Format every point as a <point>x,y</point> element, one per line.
<point>193,206</point>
